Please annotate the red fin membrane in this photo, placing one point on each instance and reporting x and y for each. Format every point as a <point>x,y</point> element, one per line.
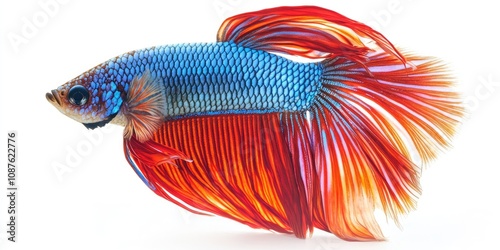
<point>142,156</point>
<point>306,31</point>
<point>365,125</point>
<point>242,169</point>
<point>329,167</point>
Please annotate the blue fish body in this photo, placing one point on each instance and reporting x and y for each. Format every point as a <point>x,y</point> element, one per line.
<point>212,78</point>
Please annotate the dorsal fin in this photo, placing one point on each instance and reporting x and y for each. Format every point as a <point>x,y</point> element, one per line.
<point>306,31</point>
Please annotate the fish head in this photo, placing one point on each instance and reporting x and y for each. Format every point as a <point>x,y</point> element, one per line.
<point>94,98</point>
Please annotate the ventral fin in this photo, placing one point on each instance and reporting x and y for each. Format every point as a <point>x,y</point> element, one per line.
<point>152,154</point>
<point>143,157</point>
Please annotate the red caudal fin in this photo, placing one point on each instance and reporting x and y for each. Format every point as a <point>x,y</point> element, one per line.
<point>305,31</point>
<point>365,126</point>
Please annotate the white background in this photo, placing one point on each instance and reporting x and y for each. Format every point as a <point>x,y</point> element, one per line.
<point>102,204</point>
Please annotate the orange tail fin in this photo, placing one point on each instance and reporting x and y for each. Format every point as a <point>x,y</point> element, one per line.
<point>366,124</point>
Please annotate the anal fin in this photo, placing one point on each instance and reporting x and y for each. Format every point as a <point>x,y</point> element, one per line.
<point>242,169</point>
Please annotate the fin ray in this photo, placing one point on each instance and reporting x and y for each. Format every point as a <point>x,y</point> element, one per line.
<point>241,169</point>
<point>306,31</point>
<point>366,124</point>
<point>143,108</point>
<point>329,167</point>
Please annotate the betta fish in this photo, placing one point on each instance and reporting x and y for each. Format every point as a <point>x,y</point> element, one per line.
<point>296,118</point>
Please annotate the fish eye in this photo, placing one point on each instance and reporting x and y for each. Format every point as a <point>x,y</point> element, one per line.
<point>78,95</point>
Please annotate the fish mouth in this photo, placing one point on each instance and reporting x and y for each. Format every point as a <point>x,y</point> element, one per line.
<point>53,97</point>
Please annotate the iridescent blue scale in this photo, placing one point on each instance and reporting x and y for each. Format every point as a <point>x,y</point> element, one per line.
<point>214,78</point>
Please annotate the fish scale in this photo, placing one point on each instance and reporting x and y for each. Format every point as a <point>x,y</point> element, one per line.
<point>218,83</point>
